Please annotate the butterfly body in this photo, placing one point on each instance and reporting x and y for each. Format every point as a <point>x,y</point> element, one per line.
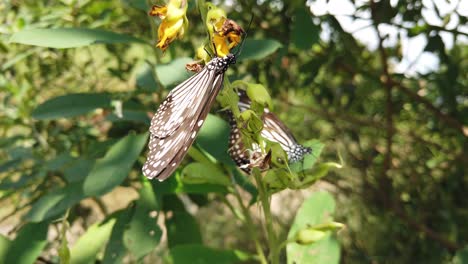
<point>180,116</point>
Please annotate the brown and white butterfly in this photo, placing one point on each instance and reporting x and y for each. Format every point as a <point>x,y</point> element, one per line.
<point>180,116</point>
<point>273,129</point>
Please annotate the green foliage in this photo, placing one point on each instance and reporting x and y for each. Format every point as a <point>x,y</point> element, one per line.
<point>114,167</point>
<point>71,105</point>
<point>143,233</point>
<point>256,49</point>
<point>60,38</point>
<point>316,210</point>
<point>80,77</point>
<point>200,254</point>
<point>90,243</point>
<point>305,33</point>
<point>461,257</point>
<point>173,72</point>
<point>28,244</point>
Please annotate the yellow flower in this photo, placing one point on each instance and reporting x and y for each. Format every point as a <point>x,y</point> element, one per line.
<point>224,33</point>
<point>174,22</point>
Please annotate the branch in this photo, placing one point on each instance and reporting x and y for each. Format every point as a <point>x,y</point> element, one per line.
<point>384,182</point>
<point>450,245</point>
<point>443,117</point>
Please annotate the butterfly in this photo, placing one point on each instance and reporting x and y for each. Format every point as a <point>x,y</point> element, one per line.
<point>180,116</point>
<point>273,130</point>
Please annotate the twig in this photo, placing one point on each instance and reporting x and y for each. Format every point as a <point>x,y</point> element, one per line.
<point>250,226</point>
<point>384,181</point>
<point>450,245</point>
<point>271,235</point>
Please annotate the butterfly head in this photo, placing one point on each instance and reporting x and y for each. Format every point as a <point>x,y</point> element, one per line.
<point>220,65</point>
<point>297,153</point>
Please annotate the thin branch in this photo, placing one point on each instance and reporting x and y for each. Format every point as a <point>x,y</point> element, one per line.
<point>450,245</point>
<point>250,226</point>
<point>384,181</point>
<point>443,117</point>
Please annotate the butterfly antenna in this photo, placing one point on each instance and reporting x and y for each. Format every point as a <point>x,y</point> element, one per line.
<point>208,52</point>
<point>238,52</point>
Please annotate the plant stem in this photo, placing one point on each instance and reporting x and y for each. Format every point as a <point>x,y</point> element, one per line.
<point>250,226</point>
<point>271,235</point>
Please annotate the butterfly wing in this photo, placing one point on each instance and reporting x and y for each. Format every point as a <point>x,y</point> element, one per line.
<point>273,130</point>
<point>177,122</point>
<point>237,150</point>
<point>277,131</point>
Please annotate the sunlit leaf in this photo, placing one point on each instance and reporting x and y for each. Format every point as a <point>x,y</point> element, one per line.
<point>28,244</point>
<point>305,33</point>
<point>143,233</point>
<point>174,72</point>
<point>4,247</point>
<point>175,184</point>
<point>114,167</point>
<point>115,249</point>
<point>196,173</point>
<point>182,228</point>
<point>69,37</point>
<point>317,209</point>
<point>55,202</point>
<point>461,256</point>
<point>311,159</point>
<point>90,244</point>
<point>256,49</point>
<point>145,78</point>
<point>71,105</point>
<point>200,254</point>
<point>214,138</point>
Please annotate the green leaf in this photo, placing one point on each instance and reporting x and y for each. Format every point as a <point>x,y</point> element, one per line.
<point>145,78</point>
<point>64,250</point>
<point>311,159</point>
<point>55,202</point>
<point>175,185</point>
<point>214,138</point>
<point>143,233</point>
<point>28,244</point>
<point>461,257</point>
<point>71,105</point>
<point>130,115</point>
<point>277,179</point>
<point>5,244</point>
<point>90,244</point>
<point>115,249</point>
<point>11,164</point>
<point>198,254</point>
<point>316,210</point>
<point>196,173</point>
<point>174,72</point>
<point>312,234</point>
<point>77,170</point>
<point>311,176</point>
<point>258,96</point>
<point>182,228</point>
<point>69,37</point>
<point>304,33</point>
<point>257,49</point>
<point>114,167</point>
<point>138,4</point>
<point>244,182</point>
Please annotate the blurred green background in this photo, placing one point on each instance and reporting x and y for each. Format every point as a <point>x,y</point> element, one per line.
<point>382,83</point>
